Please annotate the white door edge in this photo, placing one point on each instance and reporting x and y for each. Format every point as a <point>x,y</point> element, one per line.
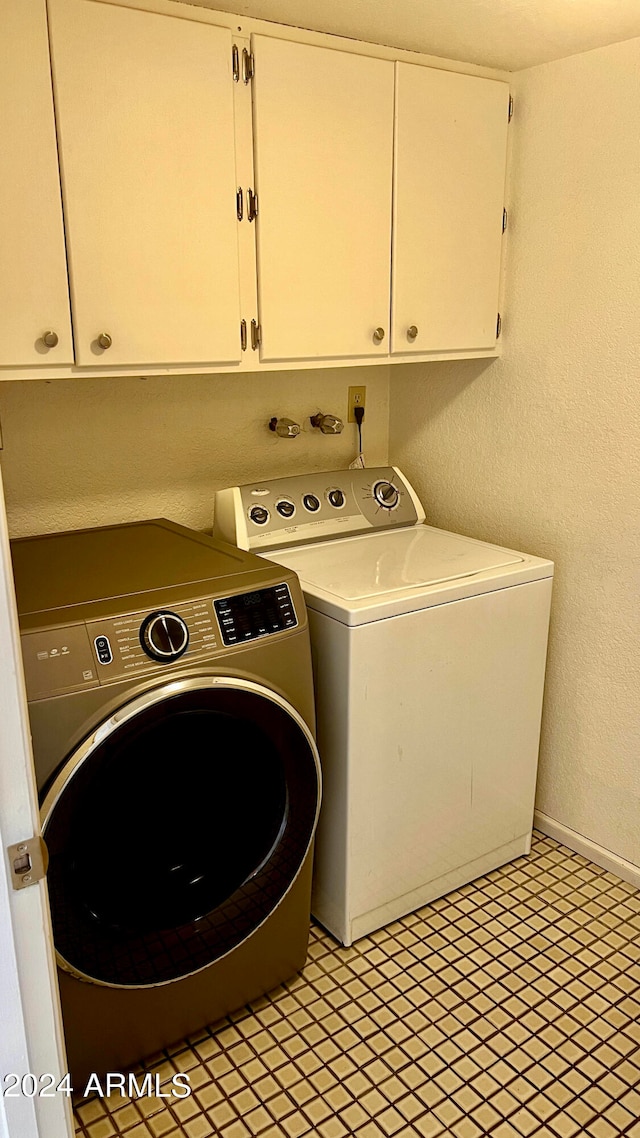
<point>32,1036</point>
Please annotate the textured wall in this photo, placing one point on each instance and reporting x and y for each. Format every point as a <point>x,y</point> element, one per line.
<point>90,452</point>
<point>541,450</point>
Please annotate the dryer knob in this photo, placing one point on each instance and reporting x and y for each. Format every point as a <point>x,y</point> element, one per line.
<point>164,636</point>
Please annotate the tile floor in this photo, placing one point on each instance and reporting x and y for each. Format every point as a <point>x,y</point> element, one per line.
<point>509,1008</point>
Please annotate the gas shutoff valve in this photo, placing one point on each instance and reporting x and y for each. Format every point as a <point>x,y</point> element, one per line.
<point>328,424</point>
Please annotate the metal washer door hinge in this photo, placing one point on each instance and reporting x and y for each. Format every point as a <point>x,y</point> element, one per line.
<point>256,335</point>
<point>510,107</point>
<point>235,63</point>
<point>28,862</point>
<point>498,326</point>
<point>252,205</point>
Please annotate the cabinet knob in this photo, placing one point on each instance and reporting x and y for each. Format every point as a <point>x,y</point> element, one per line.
<point>412,332</point>
<point>378,336</point>
<point>104,340</point>
<point>50,339</point>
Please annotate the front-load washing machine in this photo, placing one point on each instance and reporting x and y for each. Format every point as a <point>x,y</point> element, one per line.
<point>171,703</point>
<point>430,653</point>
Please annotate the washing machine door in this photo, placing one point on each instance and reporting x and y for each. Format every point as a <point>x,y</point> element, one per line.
<point>177,828</point>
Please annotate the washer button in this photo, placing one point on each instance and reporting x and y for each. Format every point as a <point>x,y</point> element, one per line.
<point>285,508</point>
<point>259,515</point>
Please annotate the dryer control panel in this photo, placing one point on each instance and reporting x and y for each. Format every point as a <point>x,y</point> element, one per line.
<point>86,654</point>
<point>249,615</point>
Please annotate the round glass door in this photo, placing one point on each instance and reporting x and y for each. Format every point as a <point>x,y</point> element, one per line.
<point>173,835</point>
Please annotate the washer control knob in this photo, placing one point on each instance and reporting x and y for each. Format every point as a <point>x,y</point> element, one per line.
<point>286,509</point>
<point>336,498</point>
<point>164,636</point>
<point>259,515</point>
<point>386,495</point>
<point>311,503</point>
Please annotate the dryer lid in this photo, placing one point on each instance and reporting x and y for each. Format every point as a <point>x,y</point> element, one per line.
<point>125,567</point>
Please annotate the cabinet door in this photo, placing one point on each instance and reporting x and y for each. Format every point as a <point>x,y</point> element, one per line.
<point>323,137</point>
<point>34,294</point>
<point>450,149</point>
<point>145,119</point>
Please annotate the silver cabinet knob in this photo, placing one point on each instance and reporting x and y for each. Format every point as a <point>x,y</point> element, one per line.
<point>50,339</point>
<point>104,340</point>
<point>412,332</point>
<point>378,336</point>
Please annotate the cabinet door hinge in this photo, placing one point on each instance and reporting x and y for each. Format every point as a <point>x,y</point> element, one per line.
<point>498,326</point>
<point>235,63</point>
<point>243,335</point>
<point>510,107</point>
<point>239,200</point>
<point>28,861</point>
<point>256,335</point>
<point>248,65</point>
<point>505,220</point>
<point>252,205</point>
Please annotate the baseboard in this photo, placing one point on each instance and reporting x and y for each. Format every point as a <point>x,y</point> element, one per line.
<point>581,845</point>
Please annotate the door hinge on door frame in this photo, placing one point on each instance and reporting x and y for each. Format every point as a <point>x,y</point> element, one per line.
<point>510,108</point>
<point>243,335</point>
<point>498,326</point>
<point>248,65</point>
<point>235,63</point>
<point>505,220</point>
<point>252,205</point>
<point>256,335</point>
<point>28,862</point>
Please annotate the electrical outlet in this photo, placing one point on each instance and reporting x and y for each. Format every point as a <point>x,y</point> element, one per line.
<point>357,398</point>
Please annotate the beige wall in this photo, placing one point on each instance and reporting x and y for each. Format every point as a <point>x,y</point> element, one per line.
<point>541,450</point>
<point>92,452</point>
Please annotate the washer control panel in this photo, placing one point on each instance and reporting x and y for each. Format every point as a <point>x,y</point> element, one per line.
<point>314,507</point>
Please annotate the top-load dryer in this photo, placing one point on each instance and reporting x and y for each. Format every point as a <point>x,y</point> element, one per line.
<point>171,703</point>
<point>430,653</point>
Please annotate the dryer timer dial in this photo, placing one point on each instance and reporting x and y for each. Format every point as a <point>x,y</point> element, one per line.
<point>164,636</point>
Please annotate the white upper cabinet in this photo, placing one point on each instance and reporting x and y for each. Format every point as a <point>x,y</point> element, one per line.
<point>323,146</point>
<point>450,152</point>
<point>145,118</point>
<point>34,296</point>
<point>220,216</point>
